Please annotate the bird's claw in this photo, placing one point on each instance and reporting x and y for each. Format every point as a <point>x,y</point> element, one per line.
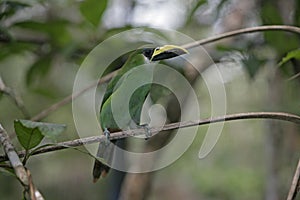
<point>107,135</point>
<point>148,133</point>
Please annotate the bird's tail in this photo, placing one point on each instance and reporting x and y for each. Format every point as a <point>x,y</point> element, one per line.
<point>105,154</point>
<point>100,170</point>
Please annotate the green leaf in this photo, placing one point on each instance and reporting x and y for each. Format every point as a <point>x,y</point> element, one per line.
<point>47,129</point>
<point>199,3</point>
<point>55,29</point>
<point>279,40</point>
<point>8,8</point>
<point>93,10</point>
<point>28,137</point>
<point>31,133</point>
<point>4,34</point>
<point>38,70</point>
<point>219,7</point>
<point>13,48</point>
<point>252,64</point>
<point>297,13</point>
<point>270,13</point>
<point>295,54</point>
<point>7,171</point>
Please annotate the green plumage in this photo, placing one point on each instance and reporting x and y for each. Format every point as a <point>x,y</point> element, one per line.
<point>115,91</point>
<point>116,100</point>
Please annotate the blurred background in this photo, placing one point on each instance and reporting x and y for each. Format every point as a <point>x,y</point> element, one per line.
<point>43,43</point>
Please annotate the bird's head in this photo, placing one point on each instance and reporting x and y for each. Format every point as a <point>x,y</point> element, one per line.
<point>164,52</point>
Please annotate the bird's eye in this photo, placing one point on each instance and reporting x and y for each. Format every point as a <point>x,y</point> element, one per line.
<point>157,48</point>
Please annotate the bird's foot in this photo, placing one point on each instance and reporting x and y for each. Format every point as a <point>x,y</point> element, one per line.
<point>107,135</point>
<point>148,133</point>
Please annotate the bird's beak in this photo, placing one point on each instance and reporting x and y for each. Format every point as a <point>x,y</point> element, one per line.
<point>166,52</point>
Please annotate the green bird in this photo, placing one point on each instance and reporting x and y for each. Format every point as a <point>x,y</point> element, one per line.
<point>115,91</point>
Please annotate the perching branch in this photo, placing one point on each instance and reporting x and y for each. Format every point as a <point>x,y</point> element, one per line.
<point>154,130</point>
<point>295,187</point>
<point>22,174</point>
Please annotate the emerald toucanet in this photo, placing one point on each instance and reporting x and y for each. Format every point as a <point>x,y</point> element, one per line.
<point>107,120</point>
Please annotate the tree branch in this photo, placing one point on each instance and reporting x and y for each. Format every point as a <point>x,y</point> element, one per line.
<point>295,187</point>
<point>294,77</point>
<point>154,130</point>
<point>14,97</point>
<point>292,29</point>
<point>35,40</point>
<point>13,157</point>
<point>21,172</point>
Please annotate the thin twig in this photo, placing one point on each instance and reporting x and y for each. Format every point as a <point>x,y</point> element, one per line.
<point>294,77</point>
<point>154,130</point>
<point>33,192</point>
<point>295,187</point>
<point>71,97</point>
<point>35,40</point>
<point>14,97</point>
<point>292,29</point>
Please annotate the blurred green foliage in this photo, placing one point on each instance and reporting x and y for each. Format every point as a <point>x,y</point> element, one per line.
<point>42,44</point>
<point>8,8</point>
<point>93,10</point>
